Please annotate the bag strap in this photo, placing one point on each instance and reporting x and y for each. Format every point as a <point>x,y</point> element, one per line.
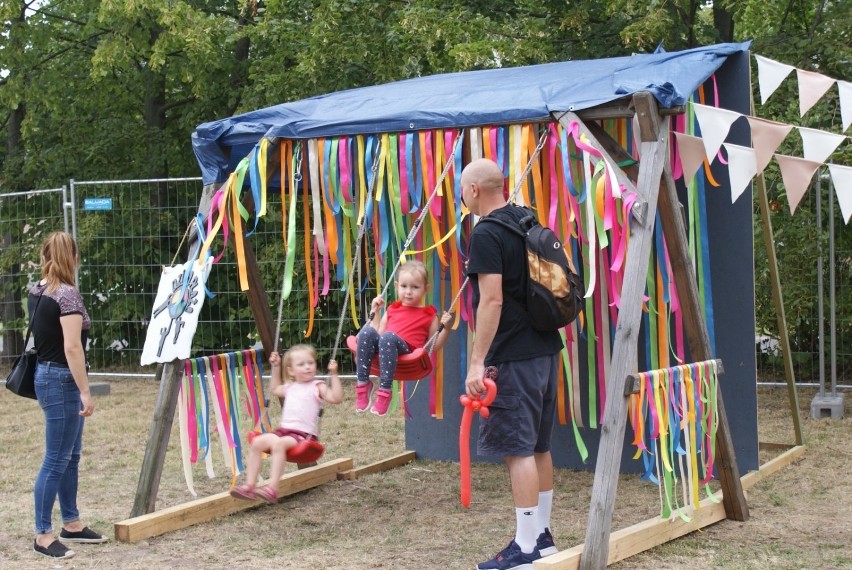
<point>32,317</point>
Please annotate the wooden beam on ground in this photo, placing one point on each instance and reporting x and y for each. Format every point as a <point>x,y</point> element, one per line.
<point>772,466</point>
<point>653,153</point>
<point>640,537</point>
<point>221,504</point>
<point>378,466</point>
<point>645,535</point>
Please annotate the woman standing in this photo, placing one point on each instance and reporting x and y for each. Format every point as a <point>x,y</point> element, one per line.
<point>60,327</point>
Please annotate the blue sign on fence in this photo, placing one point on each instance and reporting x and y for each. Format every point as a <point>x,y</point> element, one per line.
<point>97,204</point>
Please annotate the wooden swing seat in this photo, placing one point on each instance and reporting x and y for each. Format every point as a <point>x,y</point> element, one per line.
<point>415,365</point>
<point>306,451</point>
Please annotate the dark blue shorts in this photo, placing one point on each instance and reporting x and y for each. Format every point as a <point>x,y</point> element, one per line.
<point>520,421</point>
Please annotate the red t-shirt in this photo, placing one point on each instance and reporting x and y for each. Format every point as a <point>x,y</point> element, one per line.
<point>412,324</point>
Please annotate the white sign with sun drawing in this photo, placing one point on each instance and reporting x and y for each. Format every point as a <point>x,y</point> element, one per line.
<point>174,317</point>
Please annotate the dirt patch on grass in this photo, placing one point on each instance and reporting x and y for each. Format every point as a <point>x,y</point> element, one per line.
<point>409,517</point>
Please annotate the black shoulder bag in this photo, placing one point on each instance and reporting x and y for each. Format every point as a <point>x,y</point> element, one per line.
<point>21,380</point>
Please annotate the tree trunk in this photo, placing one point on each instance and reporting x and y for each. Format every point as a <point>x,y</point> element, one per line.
<point>723,21</point>
<point>10,287</point>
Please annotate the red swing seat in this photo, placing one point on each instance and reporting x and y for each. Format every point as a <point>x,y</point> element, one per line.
<point>415,365</point>
<point>306,451</point>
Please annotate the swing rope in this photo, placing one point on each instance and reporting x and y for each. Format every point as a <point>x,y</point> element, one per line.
<point>412,233</point>
<point>431,342</point>
<point>296,169</point>
<point>362,227</point>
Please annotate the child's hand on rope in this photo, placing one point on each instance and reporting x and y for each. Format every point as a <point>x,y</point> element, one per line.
<point>377,304</point>
<point>446,318</point>
<point>275,359</point>
<point>332,367</point>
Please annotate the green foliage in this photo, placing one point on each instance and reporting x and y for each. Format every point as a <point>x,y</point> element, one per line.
<point>111,89</point>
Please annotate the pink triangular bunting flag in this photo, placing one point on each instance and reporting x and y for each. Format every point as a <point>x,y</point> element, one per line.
<point>765,137</point>
<point>845,89</point>
<point>841,176</point>
<point>818,145</point>
<point>715,124</point>
<point>741,168</point>
<point>812,86</point>
<point>691,150</point>
<point>770,74</point>
<point>797,174</point>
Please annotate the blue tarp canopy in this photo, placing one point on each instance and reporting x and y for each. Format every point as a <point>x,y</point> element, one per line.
<point>486,97</point>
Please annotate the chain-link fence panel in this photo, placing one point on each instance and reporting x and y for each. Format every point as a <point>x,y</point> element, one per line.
<point>129,230</point>
<point>26,218</point>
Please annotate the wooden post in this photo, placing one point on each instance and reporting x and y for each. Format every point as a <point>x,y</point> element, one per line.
<point>653,152</point>
<point>778,300</point>
<point>736,506</point>
<point>168,375</point>
<point>698,337</point>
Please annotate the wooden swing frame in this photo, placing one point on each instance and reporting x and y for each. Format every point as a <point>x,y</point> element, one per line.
<point>657,194</point>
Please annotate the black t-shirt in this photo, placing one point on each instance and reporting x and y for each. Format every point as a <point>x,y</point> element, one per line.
<point>494,249</point>
<point>49,339</point>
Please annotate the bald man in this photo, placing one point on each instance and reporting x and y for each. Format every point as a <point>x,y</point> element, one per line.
<point>520,423</point>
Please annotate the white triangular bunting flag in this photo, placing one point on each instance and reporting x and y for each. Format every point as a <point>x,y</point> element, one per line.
<point>691,151</point>
<point>770,74</point>
<point>797,174</point>
<point>841,176</point>
<point>818,145</point>
<point>742,167</point>
<point>812,86</point>
<point>765,137</point>
<point>845,89</point>
<point>715,124</point>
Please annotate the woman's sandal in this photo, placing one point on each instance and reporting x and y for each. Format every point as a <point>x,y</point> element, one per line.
<point>244,492</point>
<point>268,494</point>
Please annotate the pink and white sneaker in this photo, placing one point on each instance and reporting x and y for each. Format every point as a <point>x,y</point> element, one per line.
<point>383,399</point>
<point>362,396</point>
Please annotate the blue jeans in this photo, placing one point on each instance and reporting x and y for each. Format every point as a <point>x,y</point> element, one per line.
<point>59,397</point>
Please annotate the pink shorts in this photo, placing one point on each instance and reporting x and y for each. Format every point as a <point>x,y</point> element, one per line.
<point>295,434</point>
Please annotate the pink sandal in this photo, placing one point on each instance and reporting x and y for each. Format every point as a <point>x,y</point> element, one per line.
<point>268,494</point>
<point>244,492</point>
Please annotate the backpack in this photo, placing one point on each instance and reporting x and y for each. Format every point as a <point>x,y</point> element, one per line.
<point>553,288</point>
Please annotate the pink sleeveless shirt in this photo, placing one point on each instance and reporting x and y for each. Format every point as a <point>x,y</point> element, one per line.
<point>302,404</point>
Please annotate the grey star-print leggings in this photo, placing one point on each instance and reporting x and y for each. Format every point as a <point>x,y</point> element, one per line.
<point>389,346</point>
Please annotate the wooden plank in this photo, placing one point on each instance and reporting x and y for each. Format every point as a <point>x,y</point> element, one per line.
<point>621,108</point>
<point>653,152</point>
<point>773,466</point>
<point>773,446</point>
<point>643,536</point>
<point>699,341</point>
<point>221,504</point>
<point>378,466</point>
<point>653,532</point>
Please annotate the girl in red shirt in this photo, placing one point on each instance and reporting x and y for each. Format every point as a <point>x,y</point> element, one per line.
<point>405,326</point>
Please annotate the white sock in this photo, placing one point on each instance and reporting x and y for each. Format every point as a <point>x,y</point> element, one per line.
<point>526,528</point>
<point>545,506</point>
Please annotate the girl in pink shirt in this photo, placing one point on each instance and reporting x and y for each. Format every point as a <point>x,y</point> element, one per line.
<point>304,395</point>
<point>406,325</point>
